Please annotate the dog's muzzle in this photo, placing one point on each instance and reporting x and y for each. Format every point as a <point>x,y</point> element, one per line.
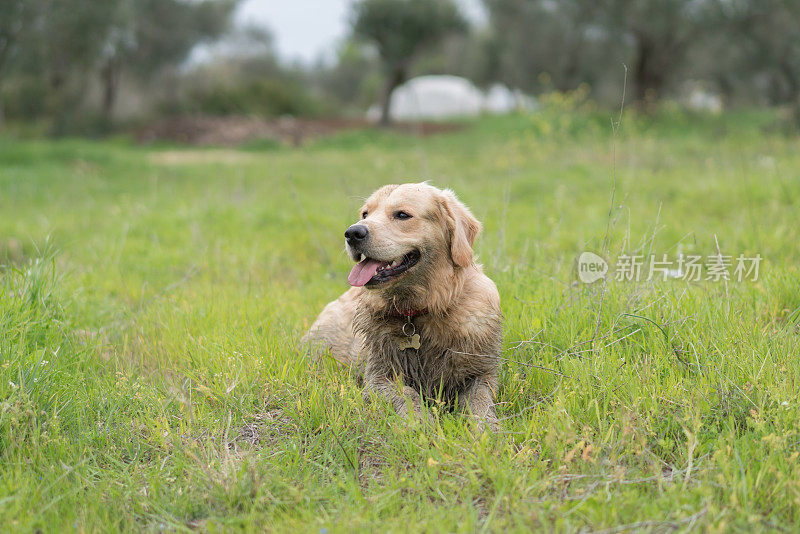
<point>356,235</point>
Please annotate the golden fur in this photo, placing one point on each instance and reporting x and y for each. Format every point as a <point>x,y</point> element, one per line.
<point>460,335</point>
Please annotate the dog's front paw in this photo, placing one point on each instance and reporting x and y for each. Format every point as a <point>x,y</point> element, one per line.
<point>487,424</point>
<point>409,406</point>
<point>420,419</point>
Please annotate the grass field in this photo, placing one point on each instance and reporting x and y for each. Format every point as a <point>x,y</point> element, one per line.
<point>153,300</point>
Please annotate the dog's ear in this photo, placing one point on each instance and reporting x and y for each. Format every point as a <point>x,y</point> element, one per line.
<point>462,228</point>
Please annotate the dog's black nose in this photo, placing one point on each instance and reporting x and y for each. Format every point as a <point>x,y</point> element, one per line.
<point>356,233</point>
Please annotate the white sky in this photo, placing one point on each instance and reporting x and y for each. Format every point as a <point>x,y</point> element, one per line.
<point>308,29</point>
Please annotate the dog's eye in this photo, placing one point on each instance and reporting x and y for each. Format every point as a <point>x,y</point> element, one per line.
<point>402,215</point>
<point>363,214</point>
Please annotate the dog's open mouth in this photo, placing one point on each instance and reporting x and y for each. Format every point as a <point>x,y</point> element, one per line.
<point>373,272</point>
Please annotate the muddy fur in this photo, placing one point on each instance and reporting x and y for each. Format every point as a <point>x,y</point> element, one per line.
<point>460,332</point>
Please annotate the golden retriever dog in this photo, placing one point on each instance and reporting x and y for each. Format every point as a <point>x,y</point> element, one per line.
<point>421,321</point>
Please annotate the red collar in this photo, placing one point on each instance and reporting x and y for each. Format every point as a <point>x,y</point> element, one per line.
<point>410,314</point>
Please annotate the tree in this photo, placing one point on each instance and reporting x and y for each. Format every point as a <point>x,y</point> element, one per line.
<point>563,39</point>
<point>52,37</point>
<point>12,22</point>
<point>348,78</point>
<point>60,47</point>
<point>401,30</point>
<point>13,19</point>
<point>147,35</point>
<point>662,34</point>
<point>772,48</point>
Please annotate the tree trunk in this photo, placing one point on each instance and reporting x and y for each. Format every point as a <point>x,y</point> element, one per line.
<point>395,78</point>
<point>792,82</point>
<point>3,51</point>
<point>571,68</point>
<point>648,76</point>
<point>793,91</point>
<point>110,76</point>
<point>2,111</point>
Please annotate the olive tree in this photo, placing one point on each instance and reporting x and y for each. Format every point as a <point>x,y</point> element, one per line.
<point>401,30</point>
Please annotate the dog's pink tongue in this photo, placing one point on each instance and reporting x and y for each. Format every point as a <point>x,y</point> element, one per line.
<point>362,272</point>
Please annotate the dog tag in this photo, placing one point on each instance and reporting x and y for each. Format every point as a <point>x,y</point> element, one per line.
<point>410,342</point>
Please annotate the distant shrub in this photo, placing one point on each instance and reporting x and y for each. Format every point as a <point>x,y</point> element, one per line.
<point>24,98</point>
<point>267,98</point>
<point>75,120</point>
<point>65,113</point>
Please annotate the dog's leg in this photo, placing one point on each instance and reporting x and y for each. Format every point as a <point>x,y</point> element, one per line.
<point>405,400</point>
<point>478,402</point>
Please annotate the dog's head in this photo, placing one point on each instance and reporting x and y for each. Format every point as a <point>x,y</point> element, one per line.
<point>408,234</point>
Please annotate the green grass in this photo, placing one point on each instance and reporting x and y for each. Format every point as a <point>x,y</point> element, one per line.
<point>152,302</point>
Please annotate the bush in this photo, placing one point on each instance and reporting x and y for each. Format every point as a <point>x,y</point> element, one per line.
<point>24,98</point>
<point>267,98</point>
<point>64,113</point>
